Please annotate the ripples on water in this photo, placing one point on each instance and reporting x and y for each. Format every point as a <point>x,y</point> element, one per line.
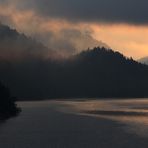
<point>132,112</point>
<point>78,124</point>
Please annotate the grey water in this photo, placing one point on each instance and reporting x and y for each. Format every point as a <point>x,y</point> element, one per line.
<point>78,124</point>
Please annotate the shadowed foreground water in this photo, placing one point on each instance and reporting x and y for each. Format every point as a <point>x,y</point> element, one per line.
<point>77,124</point>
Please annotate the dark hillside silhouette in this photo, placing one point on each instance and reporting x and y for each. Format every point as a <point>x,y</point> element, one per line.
<point>15,46</point>
<point>8,107</point>
<point>102,73</point>
<point>32,71</point>
<point>98,72</point>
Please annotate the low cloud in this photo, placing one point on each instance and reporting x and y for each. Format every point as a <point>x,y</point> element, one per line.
<point>66,39</point>
<point>69,41</point>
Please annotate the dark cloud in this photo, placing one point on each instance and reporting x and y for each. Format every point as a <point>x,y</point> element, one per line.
<point>109,11</point>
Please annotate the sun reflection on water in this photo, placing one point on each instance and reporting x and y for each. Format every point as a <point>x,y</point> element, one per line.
<point>133,112</point>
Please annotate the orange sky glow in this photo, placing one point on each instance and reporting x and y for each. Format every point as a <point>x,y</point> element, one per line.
<point>130,40</point>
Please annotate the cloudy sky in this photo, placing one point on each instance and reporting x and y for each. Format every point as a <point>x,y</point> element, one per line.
<point>122,24</point>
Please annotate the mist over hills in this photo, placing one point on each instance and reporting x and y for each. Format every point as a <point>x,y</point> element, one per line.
<point>94,73</point>
<point>69,41</point>
<point>17,46</point>
<point>144,60</point>
<point>97,72</point>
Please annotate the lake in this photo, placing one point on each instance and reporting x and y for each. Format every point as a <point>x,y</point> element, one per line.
<point>78,124</point>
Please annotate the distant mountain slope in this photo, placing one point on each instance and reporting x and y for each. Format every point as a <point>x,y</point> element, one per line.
<point>16,46</point>
<point>28,68</point>
<point>144,60</point>
<point>94,73</point>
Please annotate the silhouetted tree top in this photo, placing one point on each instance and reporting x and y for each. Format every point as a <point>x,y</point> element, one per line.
<point>97,72</point>
<point>8,107</point>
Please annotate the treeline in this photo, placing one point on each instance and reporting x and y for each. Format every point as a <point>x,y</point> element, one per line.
<point>98,72</point>
<point>8,107</point>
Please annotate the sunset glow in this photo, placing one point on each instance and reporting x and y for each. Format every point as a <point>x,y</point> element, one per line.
<point>129,39</point>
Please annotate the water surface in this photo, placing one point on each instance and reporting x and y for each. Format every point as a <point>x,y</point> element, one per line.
<point>78,124</point>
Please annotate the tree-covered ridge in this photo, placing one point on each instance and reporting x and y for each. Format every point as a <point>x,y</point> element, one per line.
<point>8,107</point>
<point>15,46</point>
<point>97,72</point>
<point>101,72</point>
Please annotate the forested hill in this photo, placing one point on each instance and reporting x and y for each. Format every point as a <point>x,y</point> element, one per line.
<point>97,72</point>
<point>104,73</point>
<point>16,46</point>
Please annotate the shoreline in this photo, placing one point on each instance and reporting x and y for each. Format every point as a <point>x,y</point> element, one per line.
<point>52,124</point>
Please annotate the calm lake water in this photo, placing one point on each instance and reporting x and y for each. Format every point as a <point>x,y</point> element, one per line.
<point>78,124</point>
